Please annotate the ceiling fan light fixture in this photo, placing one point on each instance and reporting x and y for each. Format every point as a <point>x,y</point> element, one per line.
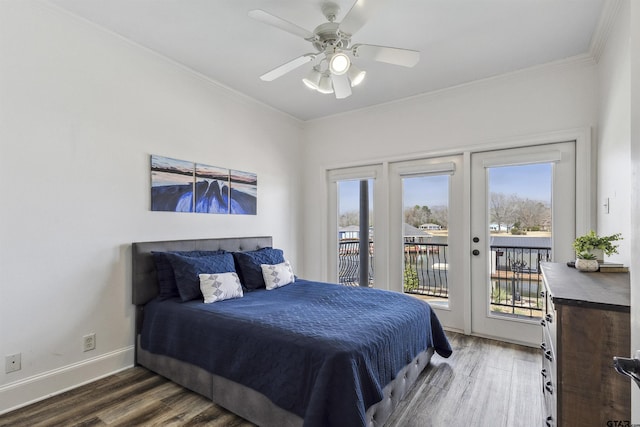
<point>339,63</point>
<point>356,75</point>
<point>325,86</point>
<point>312,80</point>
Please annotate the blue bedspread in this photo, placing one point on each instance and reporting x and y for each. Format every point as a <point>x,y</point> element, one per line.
<point>321,351</point>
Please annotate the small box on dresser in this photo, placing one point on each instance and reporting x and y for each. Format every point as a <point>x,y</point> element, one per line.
<point>585,323</point>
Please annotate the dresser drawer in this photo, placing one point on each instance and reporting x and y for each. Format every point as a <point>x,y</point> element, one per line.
<point>549,321</point>
<point>548,374</point>
<point>548,382</point>
<point>550,327</point>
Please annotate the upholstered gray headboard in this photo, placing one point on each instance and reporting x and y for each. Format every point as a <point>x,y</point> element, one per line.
<point>144,282</point>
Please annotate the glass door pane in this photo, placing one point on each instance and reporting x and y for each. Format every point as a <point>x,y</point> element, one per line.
<point>355,231</point>
<point>520,236</point>
<point>426,237</point>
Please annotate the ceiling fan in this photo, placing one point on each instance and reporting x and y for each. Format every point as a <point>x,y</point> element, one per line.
<point>333,71</point>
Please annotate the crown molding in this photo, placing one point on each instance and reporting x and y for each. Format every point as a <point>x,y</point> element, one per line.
<point>609,14</point>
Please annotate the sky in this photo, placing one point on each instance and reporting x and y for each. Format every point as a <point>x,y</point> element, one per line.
<point>527,181</point>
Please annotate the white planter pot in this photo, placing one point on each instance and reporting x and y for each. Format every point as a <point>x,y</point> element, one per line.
<point>587,264</point>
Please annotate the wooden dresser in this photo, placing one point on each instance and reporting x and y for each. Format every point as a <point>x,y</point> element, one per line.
<point>586,322</point>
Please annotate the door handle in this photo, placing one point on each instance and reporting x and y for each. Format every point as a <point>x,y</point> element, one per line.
<point>476,252</point>
<point>629,367</point>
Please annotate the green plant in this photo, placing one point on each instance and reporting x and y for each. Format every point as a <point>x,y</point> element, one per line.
<point>411,280</point>
<point>585,255</point>
<point>592,241</point>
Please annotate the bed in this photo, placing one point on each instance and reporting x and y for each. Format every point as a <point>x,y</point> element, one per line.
<point>308,353</point>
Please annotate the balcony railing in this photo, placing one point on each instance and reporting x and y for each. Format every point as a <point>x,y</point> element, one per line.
<point>425,269</point>
<point>349,263</point>
<point>516,280</point>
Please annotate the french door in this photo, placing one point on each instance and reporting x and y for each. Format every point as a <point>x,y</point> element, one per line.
<point>522,213</point>
<point>427,229</point>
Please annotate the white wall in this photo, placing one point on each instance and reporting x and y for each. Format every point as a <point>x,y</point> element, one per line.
<point>618,157</point>
<point>536,101</point>
<point>614,136</point>
<point>81,110</point>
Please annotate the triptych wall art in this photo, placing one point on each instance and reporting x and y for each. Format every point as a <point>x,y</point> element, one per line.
<point>182,186</point>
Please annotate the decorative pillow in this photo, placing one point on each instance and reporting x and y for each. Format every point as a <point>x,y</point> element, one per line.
<point>248,265</point>
<point>277,275</point>
<point>186,271</point>
<point>164,271</point>
<point>220,286</point>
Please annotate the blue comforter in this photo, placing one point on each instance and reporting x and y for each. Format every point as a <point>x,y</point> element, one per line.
<point>319,350</point>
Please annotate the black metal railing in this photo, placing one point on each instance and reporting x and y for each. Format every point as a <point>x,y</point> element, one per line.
<point>516,279</point>
<point>425,269</point>
<point>349,262</point>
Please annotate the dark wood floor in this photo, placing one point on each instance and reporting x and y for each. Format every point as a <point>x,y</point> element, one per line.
<point>484,383</point>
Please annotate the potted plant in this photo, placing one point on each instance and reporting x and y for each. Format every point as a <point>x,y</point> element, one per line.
<point>591,243</point>
<point>586,261</point>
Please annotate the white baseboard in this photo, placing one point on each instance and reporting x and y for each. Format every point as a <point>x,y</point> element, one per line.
<point>38,387</point>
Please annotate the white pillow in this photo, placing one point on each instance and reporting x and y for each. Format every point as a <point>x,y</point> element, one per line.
<point>220,286</point>
<point>277,275</point>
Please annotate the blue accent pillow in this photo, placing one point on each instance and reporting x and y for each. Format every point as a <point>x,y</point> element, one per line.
<point>248,265</point>
<point>164,271</point>
<point>186,271</point>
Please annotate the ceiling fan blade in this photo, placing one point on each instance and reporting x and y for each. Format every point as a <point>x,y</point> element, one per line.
<point>286,67</point>
<point>341,86</point>
<point>390,55</point>
<point>359,14</point>
<point>290,27</point>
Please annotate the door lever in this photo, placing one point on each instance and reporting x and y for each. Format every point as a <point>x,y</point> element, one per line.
<point>629,367</point>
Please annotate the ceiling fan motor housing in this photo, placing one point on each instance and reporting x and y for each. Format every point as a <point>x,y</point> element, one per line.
<point>329,35</point>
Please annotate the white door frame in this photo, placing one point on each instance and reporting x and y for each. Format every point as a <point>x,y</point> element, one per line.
<point>374,172</point>
<point>584,191</point>
<point>453,315</point>
<point>562,157</point>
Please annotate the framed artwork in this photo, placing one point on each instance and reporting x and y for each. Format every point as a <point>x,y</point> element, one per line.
<point>171,184</point>
<point>211,189</point>
<point>244,193</point>
<point>183,186</point>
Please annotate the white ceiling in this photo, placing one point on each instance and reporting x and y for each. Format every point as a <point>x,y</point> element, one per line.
<point>459,40</point>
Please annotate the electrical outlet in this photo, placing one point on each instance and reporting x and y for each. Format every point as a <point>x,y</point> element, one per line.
<point>89,342</point>
<point>13,362</point>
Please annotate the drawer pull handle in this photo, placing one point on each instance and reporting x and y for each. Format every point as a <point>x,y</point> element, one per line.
<point>543,323</point>
<point>549,317</point>
<point>542,294</point>
<point>548,355</point>
<point>549,421</point>
<point>543,373</point>
<point>549,387</point>
<point>543,346</point>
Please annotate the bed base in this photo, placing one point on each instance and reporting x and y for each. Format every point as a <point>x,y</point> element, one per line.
<point>237,398</point>
<point>256,407</point>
